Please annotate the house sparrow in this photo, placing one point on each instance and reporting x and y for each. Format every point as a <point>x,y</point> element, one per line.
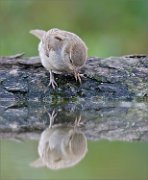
<point>61,51</point>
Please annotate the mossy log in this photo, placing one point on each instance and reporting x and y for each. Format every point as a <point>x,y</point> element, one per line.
<point>112,98</point>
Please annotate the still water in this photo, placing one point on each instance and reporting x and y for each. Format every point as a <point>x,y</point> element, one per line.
<point>108,143</point>
<point>101,160</point>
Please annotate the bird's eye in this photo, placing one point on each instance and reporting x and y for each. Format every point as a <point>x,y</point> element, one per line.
<point>58,38</point>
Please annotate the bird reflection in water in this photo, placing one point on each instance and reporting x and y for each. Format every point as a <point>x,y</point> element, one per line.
<point>61,146</point>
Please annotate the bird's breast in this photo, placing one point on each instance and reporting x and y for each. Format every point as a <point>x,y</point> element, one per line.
<point>53,61</point>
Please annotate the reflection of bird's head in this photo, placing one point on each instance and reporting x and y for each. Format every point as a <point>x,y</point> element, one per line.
<point>61,147</point>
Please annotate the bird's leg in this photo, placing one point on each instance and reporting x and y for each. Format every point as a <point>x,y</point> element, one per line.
<point>77,122</point>
<point>52,118</point>
<point>52,81</point>
<point>77,76</point>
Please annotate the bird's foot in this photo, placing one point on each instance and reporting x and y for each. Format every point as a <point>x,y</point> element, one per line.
<point>52,83</point>
<point>78,76</point>
<point>77,122</point>
<point>52,118</point>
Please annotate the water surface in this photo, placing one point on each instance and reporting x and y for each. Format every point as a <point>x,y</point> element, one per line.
<point>104,160</point>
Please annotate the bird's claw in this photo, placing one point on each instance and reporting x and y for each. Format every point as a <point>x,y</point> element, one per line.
<point>52,83</point>
<point>78,76</point>
<point>52,117</point>
<point>77,122</point>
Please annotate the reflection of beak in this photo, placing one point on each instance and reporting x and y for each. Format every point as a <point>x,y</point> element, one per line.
<point>77,76</point>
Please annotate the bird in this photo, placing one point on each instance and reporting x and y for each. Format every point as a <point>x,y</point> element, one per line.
<point>60,145</point>
<point>61,52</point>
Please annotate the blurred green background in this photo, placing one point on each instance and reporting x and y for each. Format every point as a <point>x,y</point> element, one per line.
<point>109,27</point>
